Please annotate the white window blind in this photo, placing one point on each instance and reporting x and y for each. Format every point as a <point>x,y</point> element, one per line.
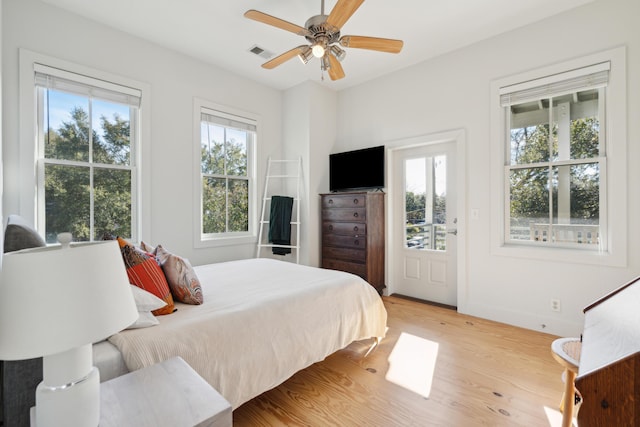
<point>591,77</point>
<point>227,120</point>
<point>65,81</point>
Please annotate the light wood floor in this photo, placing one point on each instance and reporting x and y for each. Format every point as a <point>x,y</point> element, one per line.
<point>486,374</point>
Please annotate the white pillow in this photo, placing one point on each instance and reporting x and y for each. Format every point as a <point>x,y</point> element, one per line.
<point>145,302</point>
<point>145,319</point>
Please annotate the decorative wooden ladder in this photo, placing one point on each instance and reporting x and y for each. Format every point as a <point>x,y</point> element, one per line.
<point>284,174</point>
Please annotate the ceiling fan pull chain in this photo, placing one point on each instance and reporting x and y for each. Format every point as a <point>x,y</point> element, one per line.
<point>321,7</point>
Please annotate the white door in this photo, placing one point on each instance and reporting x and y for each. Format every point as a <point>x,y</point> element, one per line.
<point>424,235</point>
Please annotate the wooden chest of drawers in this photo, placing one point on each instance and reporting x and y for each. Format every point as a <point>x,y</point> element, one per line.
<point>353,235</point>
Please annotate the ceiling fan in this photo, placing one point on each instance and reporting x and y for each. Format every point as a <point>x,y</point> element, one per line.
<point>323,33</point>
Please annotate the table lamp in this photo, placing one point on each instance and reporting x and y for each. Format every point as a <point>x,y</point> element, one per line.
<point>56,302</point>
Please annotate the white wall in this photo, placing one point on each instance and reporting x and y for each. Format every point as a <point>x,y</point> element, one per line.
<point>175,80</point>
<point>323,133</point>
<point>296,139</point>
<point>310,132</point>
<point>453,92</point>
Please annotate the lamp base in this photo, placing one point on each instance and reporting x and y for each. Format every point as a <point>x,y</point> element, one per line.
<point>73,398</point>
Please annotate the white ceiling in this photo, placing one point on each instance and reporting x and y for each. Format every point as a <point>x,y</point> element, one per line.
<point>216,31</point>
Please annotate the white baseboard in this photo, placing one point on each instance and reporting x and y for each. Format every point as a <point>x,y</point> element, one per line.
<point>543,323</point>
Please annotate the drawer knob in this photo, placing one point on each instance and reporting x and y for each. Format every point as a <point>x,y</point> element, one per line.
<point>355,228</point>
<point>330,201</point>
<point>356,242</point>
<point>355,214</point>
<point>330,228</point>
<point>355,201</point>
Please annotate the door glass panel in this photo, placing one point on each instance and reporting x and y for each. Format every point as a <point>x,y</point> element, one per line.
<point>425,203</point>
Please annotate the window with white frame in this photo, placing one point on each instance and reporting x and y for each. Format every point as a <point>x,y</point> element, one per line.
<point>226,147</point>
<point>555,170</point>
<point>87,133</point>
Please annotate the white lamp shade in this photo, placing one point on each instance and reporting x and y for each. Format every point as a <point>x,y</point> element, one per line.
<point>54,299</point>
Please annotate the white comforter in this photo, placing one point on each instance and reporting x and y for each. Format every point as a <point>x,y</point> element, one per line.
<point>262,320</point>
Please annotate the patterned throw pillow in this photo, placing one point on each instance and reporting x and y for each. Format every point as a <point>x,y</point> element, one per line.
<point>144,271</point>
<point>182,279</point>
<point>147,248</point>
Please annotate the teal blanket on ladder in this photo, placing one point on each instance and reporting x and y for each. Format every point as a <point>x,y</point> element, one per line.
<point>280,223</point>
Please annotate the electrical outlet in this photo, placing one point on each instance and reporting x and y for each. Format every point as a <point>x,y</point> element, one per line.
<point>555,305</point>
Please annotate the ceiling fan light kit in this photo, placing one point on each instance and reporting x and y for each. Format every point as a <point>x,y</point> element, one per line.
<point>306,54</point>
<point>318,50</point>
<point>326,65</point>
<point>338,53</point>
<point>323,33</point>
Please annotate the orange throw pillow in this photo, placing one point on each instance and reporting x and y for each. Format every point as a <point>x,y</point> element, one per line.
<point>144,272</point>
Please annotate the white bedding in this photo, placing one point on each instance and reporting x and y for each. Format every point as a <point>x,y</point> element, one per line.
<point>262,320</point>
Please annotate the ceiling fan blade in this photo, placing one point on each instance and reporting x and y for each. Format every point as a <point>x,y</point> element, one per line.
<point>283,57</point>
<point>342,11</point>
<point>372,43</point>
<point>335,70</point>
<point>276,22</point>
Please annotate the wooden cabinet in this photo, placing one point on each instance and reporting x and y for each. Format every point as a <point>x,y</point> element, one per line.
<point>353,235</point>
<point>609,371</point>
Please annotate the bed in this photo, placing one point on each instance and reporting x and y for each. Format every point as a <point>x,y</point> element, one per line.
<point>262,320</point>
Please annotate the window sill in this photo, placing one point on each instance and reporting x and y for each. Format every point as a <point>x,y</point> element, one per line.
<point>562,255</point>
<point>213,242</point>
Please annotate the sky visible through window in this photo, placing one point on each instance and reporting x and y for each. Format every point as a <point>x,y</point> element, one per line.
<point>61,104</point>
<point>416,178</point>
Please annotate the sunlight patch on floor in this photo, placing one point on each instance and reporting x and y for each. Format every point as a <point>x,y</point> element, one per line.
<point>412,363</point>
<point>555,417</point>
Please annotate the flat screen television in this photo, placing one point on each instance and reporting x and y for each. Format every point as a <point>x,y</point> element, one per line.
<point>357,169</point>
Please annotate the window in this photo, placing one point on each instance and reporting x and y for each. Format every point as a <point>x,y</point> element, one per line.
<point>559,162</point>
<point>426,202</point>
<point>226,146</point>
<point>87,144</point>
<point>556,159</point>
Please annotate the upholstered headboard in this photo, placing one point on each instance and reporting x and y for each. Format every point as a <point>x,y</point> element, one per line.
<point>19,378</point>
